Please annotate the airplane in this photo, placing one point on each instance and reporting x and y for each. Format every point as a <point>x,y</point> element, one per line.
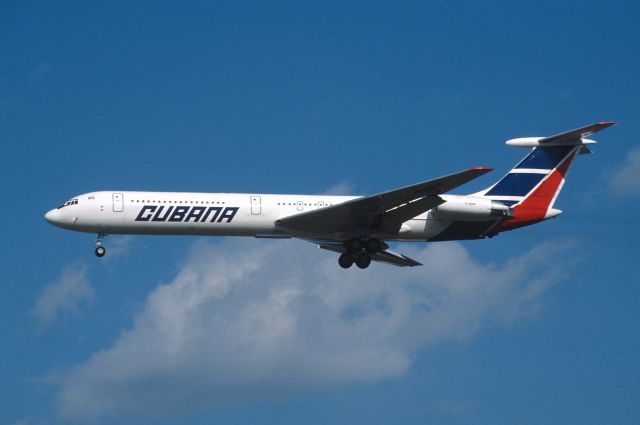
<point>356,227</point>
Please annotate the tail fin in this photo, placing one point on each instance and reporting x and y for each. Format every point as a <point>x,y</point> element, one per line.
<point>530,189</point>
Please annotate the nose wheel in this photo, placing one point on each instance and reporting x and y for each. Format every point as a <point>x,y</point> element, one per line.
<point>100,250</point>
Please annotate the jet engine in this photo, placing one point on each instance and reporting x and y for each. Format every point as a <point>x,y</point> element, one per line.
<point>470,208</point>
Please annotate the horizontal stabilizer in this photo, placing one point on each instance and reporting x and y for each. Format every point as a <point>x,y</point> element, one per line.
<point>584,151</point>
<point>568,138</point>
<point>575,136</point>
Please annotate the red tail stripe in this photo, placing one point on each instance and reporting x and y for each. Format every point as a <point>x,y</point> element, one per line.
<point>535,206</point>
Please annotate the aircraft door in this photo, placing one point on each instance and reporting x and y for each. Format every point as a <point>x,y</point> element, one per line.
<point>256,207</point>
<point>118,202</point>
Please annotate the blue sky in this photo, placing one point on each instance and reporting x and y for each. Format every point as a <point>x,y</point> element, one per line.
<point>534,326</point>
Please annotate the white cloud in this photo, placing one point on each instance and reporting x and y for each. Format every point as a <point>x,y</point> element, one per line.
<point>65,294</point>
<point>117,246</point>
<point>626,179</point>
<point>247,319</point>
<point>345,187</point>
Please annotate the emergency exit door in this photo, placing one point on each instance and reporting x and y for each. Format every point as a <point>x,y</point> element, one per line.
<point>256,208</point>
<point>118,202</point>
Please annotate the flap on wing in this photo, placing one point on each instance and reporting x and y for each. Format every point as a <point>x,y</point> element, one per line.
<point>358,215</point>
<point>394,258</point>
<point>386,256</point>
<point>394,218</point>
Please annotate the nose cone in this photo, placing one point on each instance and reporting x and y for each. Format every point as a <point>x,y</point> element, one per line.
<point>53,217</point>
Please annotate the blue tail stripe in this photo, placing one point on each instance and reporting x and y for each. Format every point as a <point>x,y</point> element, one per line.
<point>545,158</point>
<point>516,184</point>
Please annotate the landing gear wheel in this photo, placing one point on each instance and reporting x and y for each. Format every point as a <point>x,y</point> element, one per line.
<point>372,246</point>
<point>353,245</point>
<point>345,261</point>
<point>363,260</point>
<point>100,251</point>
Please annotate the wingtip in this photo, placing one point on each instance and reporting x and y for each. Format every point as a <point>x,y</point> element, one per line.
<point>607,123</point>
<point>481,169</point>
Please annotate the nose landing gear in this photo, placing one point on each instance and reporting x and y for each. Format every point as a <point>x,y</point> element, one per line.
<point>100,250</point>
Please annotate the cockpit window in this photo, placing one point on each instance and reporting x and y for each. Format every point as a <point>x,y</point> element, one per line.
<point>73,201</point>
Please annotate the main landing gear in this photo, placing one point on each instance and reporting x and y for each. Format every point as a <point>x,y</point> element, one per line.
<point>100,250</point>
<point>359,251</point>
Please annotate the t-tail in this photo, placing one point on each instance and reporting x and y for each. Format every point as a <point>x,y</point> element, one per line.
<point>531,188</point>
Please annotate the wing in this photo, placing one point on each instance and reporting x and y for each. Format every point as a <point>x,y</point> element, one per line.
<point>383,212</point>
<point>385,256</point>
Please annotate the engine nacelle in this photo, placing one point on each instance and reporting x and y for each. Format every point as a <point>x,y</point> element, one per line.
<point>470,208</point>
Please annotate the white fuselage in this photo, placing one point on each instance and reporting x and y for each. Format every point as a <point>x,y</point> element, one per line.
<point>216,214</point>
